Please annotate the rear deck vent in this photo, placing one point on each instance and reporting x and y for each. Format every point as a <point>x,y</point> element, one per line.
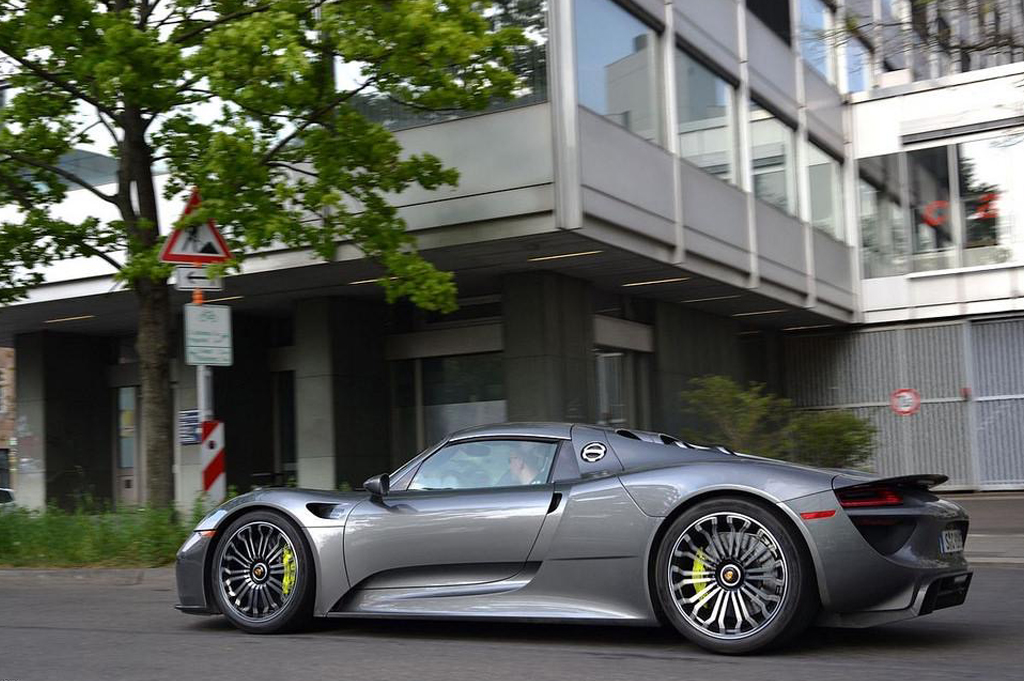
<point>627,433</point>
<point>669,440</point>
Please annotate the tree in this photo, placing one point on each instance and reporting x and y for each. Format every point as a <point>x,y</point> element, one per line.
<point>749,420</point>
<point>284,143</point>
<point>754,421</point>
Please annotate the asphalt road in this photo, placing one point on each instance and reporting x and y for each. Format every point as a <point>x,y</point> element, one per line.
<point>98,625</point>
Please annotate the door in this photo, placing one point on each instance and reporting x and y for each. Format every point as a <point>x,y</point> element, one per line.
<point>471,514</point>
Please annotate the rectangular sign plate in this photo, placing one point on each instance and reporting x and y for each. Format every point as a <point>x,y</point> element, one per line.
<point>952,541</point>
<point>192,278</point>
<point>189,431</point>
<point>208,335</point>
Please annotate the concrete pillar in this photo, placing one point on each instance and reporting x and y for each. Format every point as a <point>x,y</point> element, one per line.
<point>549,344</point>
<point>30,427</point>
<point>362,399</point>
<point>314,395</point>
<point>689,344</point>
<point>341,392</point>
<point>188,471</point>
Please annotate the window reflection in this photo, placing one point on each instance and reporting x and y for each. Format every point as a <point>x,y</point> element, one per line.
<point>882,222</point>
<point>772,158</point>
<point>825,185</point>
<point>977,224</point>
<point>529,63</point>
<point>932,237</point>
<point>858,66</point>
<point>486,463</point>
<point>706,125</point>
<point>617,66</point>
<point>991,184</point>
<point>815,46</point>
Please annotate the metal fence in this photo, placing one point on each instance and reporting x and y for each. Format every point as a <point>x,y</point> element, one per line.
<point>969,375</point>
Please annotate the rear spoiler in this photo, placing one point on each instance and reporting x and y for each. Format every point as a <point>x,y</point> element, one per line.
<point>926,481</point>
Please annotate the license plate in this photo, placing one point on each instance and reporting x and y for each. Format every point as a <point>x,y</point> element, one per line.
<point>952,541</point>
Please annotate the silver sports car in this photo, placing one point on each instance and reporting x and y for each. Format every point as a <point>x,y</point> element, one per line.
<point>564,522</point>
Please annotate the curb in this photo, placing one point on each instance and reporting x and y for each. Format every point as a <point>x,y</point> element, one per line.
<point>96,576</point>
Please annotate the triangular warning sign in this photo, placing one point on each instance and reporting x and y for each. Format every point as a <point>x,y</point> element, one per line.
<point>201,244</point>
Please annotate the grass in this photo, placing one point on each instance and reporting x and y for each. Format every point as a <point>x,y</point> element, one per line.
<point>132,537</point>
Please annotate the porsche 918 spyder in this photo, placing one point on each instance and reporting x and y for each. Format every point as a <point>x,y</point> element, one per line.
<point>580,523</point>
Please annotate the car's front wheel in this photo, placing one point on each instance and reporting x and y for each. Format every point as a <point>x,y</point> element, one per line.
<point>262,574</point>
<point>732,577</point>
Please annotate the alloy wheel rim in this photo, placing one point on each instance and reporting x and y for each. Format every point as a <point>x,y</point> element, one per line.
<point>257,571</point>
<point>727,575</point>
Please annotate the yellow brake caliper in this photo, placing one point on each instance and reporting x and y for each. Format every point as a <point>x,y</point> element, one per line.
<point>699,570</point>
<point>289,571</point>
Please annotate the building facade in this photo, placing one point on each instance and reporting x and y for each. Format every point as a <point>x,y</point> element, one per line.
<point>682,188</point>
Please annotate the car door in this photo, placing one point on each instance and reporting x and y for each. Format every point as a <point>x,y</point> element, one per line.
<point>471,514</point>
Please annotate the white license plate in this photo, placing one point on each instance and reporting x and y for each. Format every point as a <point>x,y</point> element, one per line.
<point>952,541</point>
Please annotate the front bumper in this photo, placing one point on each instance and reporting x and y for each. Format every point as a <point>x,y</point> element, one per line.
<point>190,572</point>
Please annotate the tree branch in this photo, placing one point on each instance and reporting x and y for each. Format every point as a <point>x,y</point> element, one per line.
<point>313,117</point>
<point>70,88</point>
<point>97,252</point>
<point>288,166</point>
<point>187,35</point>
<point>67,175</point>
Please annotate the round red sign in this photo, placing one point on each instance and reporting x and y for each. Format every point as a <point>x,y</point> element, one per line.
<point>905,401</point>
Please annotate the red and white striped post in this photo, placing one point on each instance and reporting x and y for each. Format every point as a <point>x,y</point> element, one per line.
<point>212,459</point>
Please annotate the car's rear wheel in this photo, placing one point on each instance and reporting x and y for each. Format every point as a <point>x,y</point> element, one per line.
<point>262,574</point>
<point>732,577</point>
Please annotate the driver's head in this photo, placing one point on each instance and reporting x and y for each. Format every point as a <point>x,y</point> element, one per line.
<point>524,466</point>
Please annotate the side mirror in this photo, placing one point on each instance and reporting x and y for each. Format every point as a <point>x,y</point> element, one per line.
<point>378,485</point>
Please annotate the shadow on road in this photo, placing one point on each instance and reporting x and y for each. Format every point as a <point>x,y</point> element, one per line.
<point>912,635</point>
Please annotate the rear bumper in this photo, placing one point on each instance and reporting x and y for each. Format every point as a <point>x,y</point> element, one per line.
<point>859,583</point>
<point>190,573</point>
<point>942,592</point>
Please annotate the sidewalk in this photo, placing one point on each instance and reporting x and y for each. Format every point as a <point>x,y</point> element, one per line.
<point>997,526</point>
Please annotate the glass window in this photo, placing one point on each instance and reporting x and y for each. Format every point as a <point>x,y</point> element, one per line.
<point>5,496</point>
<point>932,237</point>
<point>824,175</point>
<point>126,430</point>
<point>815,45</point>
<point>707,124</point>
<point>858,66</point>
<point>486,463</point>
<point>462,391</point>
<point>991,179</point>
<point>883,223</point>
<point>529,63</point>
<point>772,158</point>
<point>617,66</point>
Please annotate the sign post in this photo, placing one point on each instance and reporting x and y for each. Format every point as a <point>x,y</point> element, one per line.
<point>207,333</point>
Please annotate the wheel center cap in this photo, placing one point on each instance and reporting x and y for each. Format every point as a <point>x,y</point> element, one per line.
<point>730,576</point>
<point>259,572</point>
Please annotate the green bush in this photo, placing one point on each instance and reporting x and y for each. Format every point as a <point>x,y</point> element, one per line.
<point>754,421</point>
<point>134,537</point>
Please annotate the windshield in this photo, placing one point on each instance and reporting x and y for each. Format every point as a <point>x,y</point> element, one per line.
<point>5,496</point>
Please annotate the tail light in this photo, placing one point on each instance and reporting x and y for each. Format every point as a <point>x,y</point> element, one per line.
<point>868,497</point>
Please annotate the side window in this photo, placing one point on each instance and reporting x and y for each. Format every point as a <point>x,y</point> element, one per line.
<point>486,463</point>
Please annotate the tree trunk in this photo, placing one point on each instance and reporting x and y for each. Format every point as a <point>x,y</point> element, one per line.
<point>154,338</point>
<point>153,347</point>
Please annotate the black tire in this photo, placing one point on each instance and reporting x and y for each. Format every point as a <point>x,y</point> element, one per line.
<point>296,607</point>
<point>788,577</point>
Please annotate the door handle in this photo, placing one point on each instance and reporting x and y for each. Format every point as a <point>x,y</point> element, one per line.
<point>556,499</point>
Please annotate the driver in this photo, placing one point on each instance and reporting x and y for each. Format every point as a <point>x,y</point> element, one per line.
<point>524,467</point>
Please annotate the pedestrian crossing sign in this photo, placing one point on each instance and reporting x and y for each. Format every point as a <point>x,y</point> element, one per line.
<point>200,244</point>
